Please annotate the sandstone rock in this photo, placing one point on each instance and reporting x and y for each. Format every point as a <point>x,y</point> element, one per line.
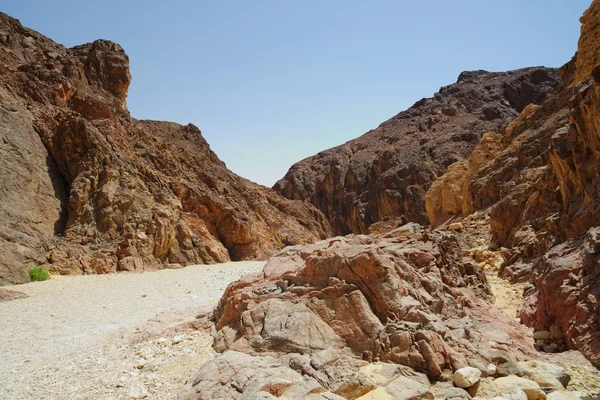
<point>233,373</point>
<point>378,394</point>
<point>396,297</point>
<point>452,393</point>
<point>544,370</point>
<point>546,381</point>
<point>387,171</point>
<point>543,335</point>
<point>564,278</point>
<point>466,377</point>
<point>86,188</point>
<point>404,388</point>
<point>562,395</point>
<point>513,394</point>
<point>449,195</point>
<point>487,388</point>
<point>588,57</point>
<point>541,192</point>
<point>529,387</point>
<point>326,375</point>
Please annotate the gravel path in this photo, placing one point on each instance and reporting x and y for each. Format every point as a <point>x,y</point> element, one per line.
<point>72,337</point>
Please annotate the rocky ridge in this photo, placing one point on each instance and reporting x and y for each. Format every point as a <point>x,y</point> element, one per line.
<point>387,171</point>
<point>540,187</point>
<point>86,188</point>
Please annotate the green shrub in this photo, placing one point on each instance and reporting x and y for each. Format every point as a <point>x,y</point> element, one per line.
<point>38,274</point>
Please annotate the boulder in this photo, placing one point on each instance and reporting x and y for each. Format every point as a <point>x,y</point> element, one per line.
<point>404,297</point>
<point>466,377</point>
<point>562,395</point>
<point>8,295</point>
<point>541,371</point>
<point>541,190</point>
<point>328,374</point>
<point>531,389</point>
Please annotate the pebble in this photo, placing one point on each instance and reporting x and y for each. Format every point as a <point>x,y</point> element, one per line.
<point>178,339</point>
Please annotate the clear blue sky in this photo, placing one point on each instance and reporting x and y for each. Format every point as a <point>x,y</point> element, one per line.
<point>270,82</point>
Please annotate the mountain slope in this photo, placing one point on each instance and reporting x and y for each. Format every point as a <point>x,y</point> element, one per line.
<point>86,188</point>
<point>387,171</point>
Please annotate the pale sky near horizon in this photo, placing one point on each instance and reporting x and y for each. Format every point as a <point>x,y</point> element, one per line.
<point>272,82</point>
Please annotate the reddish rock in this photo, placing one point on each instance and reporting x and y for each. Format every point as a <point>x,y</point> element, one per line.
<point>542,192</point>
<point>567,294</point>
<point>387,171</point>
<point>88,189</point>
<point>405,297</point>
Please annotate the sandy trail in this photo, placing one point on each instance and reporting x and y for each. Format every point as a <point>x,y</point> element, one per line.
<point>71,338</point>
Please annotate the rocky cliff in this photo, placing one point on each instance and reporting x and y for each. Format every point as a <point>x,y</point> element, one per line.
<point>541,187</point>
<point>86,188</point>
<point>387,171</point>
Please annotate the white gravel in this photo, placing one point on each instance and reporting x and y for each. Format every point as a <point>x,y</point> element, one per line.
<point>71,338</point>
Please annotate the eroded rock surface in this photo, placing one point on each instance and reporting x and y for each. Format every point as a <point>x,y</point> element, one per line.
<point>404,297</point>
<point>86,188</point>
<point>325,375</point>
<point>387,171</point>
<point>542,192</point>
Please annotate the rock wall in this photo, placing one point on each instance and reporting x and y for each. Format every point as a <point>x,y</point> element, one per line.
<point>387,171</point>
<point>449,195</point>
<point>543,194</point>
<point>86,188</point>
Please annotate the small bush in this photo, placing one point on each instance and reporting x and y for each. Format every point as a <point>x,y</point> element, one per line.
<point>38,274</point>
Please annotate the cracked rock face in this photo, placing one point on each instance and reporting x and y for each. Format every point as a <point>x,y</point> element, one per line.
<point>542,190</point>
<point>387,171</point>
<point>86,188</point>
<point>404,297</point>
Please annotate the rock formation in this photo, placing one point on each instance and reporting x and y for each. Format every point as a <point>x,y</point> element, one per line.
<point>405,297</point>
<point>387,171</point>
<point>409,295</point>
<point>399,315</point>
<point>86,188</point>
<point>542,191</point>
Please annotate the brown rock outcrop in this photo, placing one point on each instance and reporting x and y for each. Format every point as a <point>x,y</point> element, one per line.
<point>543,196</point>
<point>387,171</point>
<point>88,189</point>
<point>405,297</point>
<point>588,57</point>
<point>566,297</point>
<point>449,196</point>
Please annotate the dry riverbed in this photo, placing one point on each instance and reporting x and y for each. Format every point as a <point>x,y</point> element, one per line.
<point>108,336</point>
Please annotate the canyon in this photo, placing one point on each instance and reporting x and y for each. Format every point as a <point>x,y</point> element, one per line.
<point>385,257</point>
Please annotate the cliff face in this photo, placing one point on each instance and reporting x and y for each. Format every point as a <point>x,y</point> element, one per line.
<point>387,171</point>
<point>86,188</point>
<point>542,190</point>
